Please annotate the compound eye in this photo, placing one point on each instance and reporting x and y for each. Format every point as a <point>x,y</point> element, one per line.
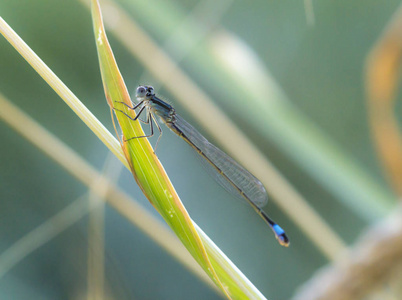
<point>151,91</point>
<point>141,91</point>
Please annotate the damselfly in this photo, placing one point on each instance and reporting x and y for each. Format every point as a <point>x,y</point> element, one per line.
<point>233,177</point>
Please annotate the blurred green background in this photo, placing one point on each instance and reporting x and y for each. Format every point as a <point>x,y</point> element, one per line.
<point>320,69</point>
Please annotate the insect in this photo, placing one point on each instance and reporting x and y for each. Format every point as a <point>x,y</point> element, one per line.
<point>232,176</point>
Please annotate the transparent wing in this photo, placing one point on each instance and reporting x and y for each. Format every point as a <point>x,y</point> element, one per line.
<point>226,171</point>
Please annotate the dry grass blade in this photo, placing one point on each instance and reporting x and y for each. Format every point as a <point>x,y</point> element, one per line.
<point>375,260</point>
<point>383,68</point>
<point>62,90</point>
<point>96,221</point>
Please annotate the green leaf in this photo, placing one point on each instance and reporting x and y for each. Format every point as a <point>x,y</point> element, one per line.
<point>154,182</point>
